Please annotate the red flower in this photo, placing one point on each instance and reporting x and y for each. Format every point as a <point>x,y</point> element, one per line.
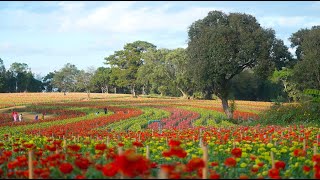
<point>138,144</point>
<point>82,163</point>
<point>7,153</point>
<point>306,168</point>
<point>214,176</point>
<point>74,147</point>
<point>317,174</point>
<point>252,157</point>
<point>254,169</point>
<point>45,175</point>
<point>260,164</point>
<point>274,173</point>
<point>280,165</point>
<point>299,152</point>
<point>120,144</point>
<point>230,162</point>
<point>316,158</point>
<point>12,164</point>
<point>167,168</point>
<point>174,143</point>
<point>110,170</point>
<point>214,164</point>
<point>101,147</point>
<point>194,164</point>
<point>236,152</point>
<point>66,168</point>
<point>178,151</point>
<point>98,167</point>
<point>154,165</point>
<point>80,177</point>
<point>166,154</point>
<point>51,147</point>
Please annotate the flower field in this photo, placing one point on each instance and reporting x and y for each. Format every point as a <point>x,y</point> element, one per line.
<point>195,140</point>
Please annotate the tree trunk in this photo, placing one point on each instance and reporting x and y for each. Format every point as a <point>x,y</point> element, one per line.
<point>226,107</point>
<point>88,94</point>
<point>102,90</point>
<point>143,92</point>
<point>107,89</point>
<point>115,90</point>
<point>184,95</point>
<point>133,92</point>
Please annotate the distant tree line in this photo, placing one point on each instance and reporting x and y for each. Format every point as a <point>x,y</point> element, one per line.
<point>229,56</point>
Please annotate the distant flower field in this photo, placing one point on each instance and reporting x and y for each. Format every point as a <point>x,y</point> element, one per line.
<point>195,140</point>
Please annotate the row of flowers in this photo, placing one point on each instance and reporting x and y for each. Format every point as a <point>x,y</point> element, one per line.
<point>237,152</point>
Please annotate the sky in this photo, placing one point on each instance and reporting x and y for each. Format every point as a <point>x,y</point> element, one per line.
<point>46,35</point>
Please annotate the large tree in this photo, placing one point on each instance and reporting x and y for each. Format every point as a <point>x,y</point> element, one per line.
<point>19,72</point>
<point>101,79</point>
<point>152,74</point>
<point>65,78</point>
<point>306,73</point>
<point>84,80</point>
<point>221,46</point>
<point>48,82</point>
<point>126,63</point>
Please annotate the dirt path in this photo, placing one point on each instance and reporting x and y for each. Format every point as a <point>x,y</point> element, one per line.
<point>14,107</point>
<point>27,116</point>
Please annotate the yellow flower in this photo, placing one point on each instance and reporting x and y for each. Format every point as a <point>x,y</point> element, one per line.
<point>244,154</point>
<point>273,150</point>
<point>269,145</point>
<point>243,165</point>
<point>194,156</point>
<point>264,173</point>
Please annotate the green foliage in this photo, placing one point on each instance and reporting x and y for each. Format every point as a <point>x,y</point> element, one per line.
<point>314,93</point>
<point>65,78</point>
<point>221,46</point>
<point>306,73</point>
<point>305,113</point>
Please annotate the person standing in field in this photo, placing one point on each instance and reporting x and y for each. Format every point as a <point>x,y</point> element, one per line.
<point>20,117</point>
<point>15,115</point>
<point>36,117</point>
<point>43,113</point>
<point>105,110</point>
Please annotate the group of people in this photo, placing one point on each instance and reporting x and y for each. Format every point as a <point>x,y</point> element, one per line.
<point>16,117</point>
<point>104,109</point>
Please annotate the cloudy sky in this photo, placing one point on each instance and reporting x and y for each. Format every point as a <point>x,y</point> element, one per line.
<point>47,35</point>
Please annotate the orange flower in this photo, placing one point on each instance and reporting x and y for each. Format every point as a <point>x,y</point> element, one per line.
<point>299,152</point>
<point>243,176</point>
